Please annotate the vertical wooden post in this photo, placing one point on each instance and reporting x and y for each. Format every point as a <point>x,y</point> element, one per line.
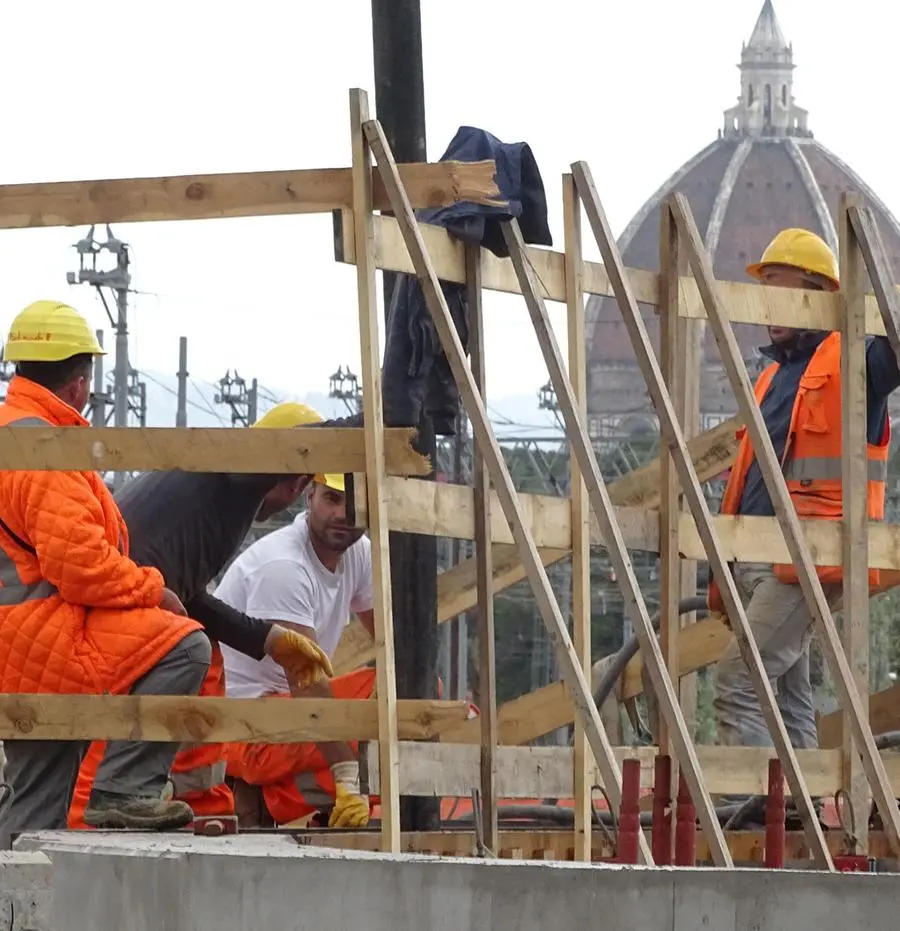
<point>370,351</point>
<point>581,514</point>
<point>673,372</point>
<point>487,670</point>
<point>854,478</point>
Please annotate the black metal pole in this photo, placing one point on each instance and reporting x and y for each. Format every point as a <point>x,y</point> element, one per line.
<point>400,107</point>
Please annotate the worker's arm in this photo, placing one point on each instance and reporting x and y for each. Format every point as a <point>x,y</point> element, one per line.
<point>882,371</point>
<point>59,514</point>
<point>235,629</point>
<point>367,619</point>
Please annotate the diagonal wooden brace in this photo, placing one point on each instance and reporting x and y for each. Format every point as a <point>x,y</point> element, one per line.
<point>499,473</point>
<point>673,435</point>
<point>635,607</point>
<point>789,522</point>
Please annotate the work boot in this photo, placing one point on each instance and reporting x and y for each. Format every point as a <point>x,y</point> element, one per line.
<point>135,813</point>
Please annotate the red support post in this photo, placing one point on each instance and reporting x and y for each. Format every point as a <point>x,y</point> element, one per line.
<point>685,826</point>
<point>775,812</point>
<point>630,812</point>
<point>662,813</point>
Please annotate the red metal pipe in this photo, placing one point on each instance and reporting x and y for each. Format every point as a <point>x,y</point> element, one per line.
<point>775,811</point>
<point>685,826</point>
<point>630,812</point>
<point>662,814</point>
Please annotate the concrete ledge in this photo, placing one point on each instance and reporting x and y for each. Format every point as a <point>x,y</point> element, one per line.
<point>25,891</point>
<point>146,882</point>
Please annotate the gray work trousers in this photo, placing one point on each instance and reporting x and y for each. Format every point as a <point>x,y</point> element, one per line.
<point>782,626</point>
<point>42,773</point>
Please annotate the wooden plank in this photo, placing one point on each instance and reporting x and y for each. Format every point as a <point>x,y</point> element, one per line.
<point>215,720</point>
<point>247,194</point>
<point>446,510</point>
<point>787,519</point>
<point>481,480</point>
<point>672,365</point>
<point>302,450</point>
<point>854,482</point>
<point>634,604</point>
<point>884,716</point>
<point>581,514</point>
<point>370,351</point>
<point>746,303</point>
<point>671,433</point>
<point>887,295</point>
<point>546,772</point>
<point>500,477</point>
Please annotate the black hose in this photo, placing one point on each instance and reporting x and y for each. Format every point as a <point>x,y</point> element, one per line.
<point>627,652</point>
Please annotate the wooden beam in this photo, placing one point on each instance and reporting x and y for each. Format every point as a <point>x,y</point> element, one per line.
<point>481,481</point>
<point>446,510</point>
<point>581,512</point>
<point>546,772</point>
<point>854,485</point>
<point>247,194</point>
<point>302,450</point>
<point>884,716</point>
<point>215,720</point>
<point>370,351</point>
<point>500,477</point>
<point>746,302</point>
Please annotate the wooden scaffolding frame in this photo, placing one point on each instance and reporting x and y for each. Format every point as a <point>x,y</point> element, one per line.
<point>427,747</point>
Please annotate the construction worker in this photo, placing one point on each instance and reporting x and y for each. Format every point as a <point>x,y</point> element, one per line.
<point>77,615</point>
<point>308,576</point>
<point>799,395</point>
<point>189,525</point>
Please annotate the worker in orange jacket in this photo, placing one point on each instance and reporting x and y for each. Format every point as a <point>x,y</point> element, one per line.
<point>77,615</point>
<point>310,577</point>
<point>799,396</point>
<point>189,525</point>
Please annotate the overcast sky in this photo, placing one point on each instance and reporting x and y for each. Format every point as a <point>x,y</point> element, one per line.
<point>107,90</point>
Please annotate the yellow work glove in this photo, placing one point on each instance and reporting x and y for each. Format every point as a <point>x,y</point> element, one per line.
<point>351,810</point>
<point>304,662</point>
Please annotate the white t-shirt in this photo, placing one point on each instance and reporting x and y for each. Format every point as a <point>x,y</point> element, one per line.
<point>280,578</point>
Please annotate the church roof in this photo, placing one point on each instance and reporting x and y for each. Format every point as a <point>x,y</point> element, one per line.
<point>764,173</point>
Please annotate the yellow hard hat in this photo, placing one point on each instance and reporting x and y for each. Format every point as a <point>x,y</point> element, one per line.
<point>288,415</point>
<point>48,331</point>
<point>333,480</point>
<point>802,250</point>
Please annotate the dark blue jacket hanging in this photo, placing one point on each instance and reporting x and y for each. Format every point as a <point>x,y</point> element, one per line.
<point>416,373</point>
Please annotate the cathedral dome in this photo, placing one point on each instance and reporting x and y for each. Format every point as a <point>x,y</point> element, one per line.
<point>763,173</point>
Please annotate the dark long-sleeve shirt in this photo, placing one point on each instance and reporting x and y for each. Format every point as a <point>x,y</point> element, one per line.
<point>882,377</point>
<point>188,525</point>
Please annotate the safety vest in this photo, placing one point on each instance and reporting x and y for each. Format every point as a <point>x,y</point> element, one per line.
<point>811,462</point>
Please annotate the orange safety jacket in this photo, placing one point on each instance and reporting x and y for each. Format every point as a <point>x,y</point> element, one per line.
<point>811,462</point>
<point>77,616</point>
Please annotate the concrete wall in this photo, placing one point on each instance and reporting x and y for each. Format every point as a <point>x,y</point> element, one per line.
<point>25,891</point>
<point>145,883</point>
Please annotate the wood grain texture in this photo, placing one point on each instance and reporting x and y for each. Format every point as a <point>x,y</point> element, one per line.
<point>247,194</point>
<point>302,450</point>
<point>214,720</point>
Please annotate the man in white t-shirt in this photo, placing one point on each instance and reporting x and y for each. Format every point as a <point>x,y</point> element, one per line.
<point>309,575</point>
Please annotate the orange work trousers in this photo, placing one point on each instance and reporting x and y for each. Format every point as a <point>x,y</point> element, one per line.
<point>295,778</point>
<point>198,773</point>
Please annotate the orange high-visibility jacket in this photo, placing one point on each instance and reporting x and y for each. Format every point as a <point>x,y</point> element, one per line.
<point>811,462</point>
<point>77,616</point>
